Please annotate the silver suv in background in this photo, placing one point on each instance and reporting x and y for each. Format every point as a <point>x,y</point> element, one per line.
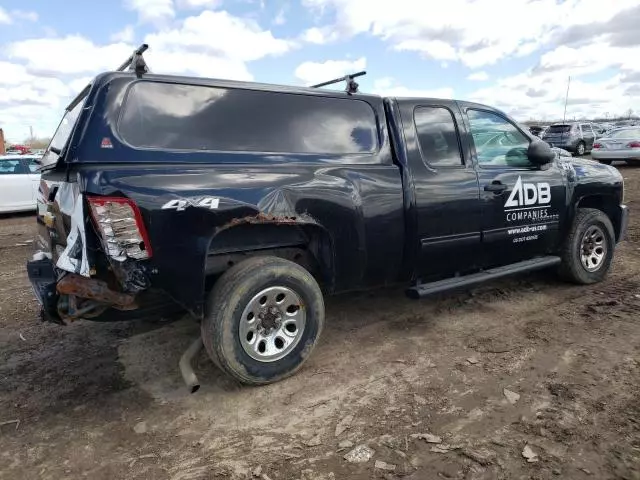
<point>575,137</point>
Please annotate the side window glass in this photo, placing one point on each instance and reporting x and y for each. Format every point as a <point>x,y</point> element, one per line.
<point>31,165</point>
<point>438,137</point>
<point>10,167</point>
<point>498,142</point>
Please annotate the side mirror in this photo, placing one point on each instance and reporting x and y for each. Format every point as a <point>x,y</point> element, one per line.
<point>540,153</point>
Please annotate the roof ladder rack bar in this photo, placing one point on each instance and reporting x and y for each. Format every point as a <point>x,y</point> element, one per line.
<point>352,85</point>
<point>136,61</point>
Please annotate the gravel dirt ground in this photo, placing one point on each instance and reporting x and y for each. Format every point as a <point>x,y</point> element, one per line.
<point>461,386</point>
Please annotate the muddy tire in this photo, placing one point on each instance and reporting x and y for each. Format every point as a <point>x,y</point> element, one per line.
<point>263,318</point>
<point>588,249</point>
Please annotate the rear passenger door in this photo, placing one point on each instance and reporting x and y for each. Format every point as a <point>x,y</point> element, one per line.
<point>588,135</point>
<point>15,186</point>
<point>445,189</point>
<point>522,204</point>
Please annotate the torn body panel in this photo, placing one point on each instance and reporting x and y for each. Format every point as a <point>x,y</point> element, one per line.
<point>74,256</point>
<point>350,218</point>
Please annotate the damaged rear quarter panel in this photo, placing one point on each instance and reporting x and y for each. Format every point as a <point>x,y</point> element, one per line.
<point>358,205</point>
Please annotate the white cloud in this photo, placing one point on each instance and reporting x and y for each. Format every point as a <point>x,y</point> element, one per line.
<point>196,4</point>
<point>9,17</point>
<point>125,35</point>
<point>542,96</point>
<point>478,76</point>
<point>219,34</point>
<point>4,16</point>
<point>473,32</point>
<point>319,36</point>
<point>69,55</point>
<point>40,75</point>
<point>389,87</point>
<point>152,11</point>
<point>30,16</point>
<point>315,72</point>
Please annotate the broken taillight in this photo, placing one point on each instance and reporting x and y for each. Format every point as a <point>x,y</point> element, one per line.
<point>120,225</point>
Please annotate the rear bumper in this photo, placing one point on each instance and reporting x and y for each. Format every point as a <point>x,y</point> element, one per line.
<point>43,282</point>
<point>598,154</point>
<point>564,144</point>
<point>149,305</point>
<point>624,223</point>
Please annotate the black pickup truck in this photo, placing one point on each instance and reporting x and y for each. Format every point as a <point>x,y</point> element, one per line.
<point>244,203</point>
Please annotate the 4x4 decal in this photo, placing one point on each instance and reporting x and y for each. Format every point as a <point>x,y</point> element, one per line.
<point>182,203</point>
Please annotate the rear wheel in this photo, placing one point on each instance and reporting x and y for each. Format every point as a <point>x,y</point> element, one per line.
<point>606,162</point>
<point>588,249</point>
<point>264,317</point>
<point>633,162</point>
<point>580,149</point>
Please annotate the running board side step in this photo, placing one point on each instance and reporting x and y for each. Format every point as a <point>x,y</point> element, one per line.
<point>426,289</point>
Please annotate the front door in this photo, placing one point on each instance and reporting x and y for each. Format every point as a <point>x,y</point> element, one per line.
<point>447,215</point>
<point>522,204</point>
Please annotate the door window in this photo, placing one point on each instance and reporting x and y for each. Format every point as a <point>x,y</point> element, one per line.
<point>31,165</point>
<point>498,142</point>
<point>438,137</point>
<point>10,167</point>
<point>586,129</point>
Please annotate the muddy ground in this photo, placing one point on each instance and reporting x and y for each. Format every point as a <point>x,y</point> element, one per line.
<point>105,401</point>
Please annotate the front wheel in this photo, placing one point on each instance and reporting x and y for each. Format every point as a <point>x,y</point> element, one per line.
<point>263,319</point>
<point>588,250</point>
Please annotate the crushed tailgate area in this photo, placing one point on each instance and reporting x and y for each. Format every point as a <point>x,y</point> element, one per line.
<point>523,378</point>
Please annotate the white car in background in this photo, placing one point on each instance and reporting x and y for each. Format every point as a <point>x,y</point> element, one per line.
<point>19,183</point>
<point>619,144</point>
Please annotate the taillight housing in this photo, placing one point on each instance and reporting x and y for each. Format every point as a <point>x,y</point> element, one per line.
<point>597,145</point>
<point>634,144</point>
<point>119,222</point>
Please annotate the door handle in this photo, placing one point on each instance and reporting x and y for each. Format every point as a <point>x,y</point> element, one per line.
<point>495,187</point>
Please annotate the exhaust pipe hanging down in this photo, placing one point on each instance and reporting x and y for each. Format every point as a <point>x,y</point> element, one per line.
<point>186,369</point>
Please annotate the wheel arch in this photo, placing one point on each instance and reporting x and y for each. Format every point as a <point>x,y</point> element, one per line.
<point>302,241</point>
<point>608,204</point>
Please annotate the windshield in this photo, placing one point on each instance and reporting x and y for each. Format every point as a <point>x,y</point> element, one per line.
<point>626,133</point>
<point>59,140</point>
<point>559,129</point>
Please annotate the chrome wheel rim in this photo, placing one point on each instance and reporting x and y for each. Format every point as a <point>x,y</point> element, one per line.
<point>580,149</point>
<point>593,248</point>
<point>272,324</point>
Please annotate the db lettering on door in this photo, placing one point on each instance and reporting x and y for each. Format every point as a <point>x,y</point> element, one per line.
<point>528,194</point>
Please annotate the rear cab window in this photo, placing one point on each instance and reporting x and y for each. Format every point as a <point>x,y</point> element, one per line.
<point>169,116</point>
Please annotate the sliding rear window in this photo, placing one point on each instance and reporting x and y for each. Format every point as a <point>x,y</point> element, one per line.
<point>192,117</point>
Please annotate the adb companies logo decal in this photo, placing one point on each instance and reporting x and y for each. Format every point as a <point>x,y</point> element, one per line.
<point>529,202</point>
<point>527,194</point>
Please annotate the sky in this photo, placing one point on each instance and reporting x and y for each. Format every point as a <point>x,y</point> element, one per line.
<point>516,55</point>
